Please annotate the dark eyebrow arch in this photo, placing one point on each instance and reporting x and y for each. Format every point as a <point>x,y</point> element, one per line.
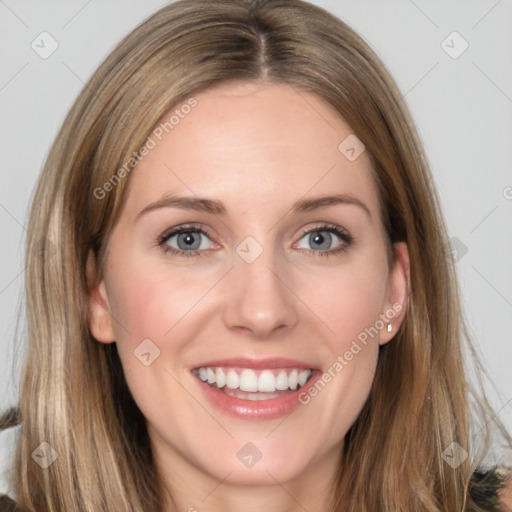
<point>217,207</point>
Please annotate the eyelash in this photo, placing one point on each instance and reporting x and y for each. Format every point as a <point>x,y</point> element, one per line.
<point>331,228</point>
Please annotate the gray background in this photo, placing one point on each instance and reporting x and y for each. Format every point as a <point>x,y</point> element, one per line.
<point>462,107</point>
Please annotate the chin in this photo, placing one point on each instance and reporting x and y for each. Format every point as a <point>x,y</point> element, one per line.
<point>259,462</point>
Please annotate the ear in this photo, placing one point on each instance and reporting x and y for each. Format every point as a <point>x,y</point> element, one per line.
<point>100,319</point>
<point>398,293</point>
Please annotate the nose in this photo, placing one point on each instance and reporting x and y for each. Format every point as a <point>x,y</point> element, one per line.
<point>260,301</point>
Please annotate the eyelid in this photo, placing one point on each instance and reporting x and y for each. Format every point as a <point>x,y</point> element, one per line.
<point>326,226</point>
<point>183,228</point>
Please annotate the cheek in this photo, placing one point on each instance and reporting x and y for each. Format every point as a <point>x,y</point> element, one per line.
<point>148,308</point>
<point>349,300</point>
<point>149,300</point>
<point>350,304</point>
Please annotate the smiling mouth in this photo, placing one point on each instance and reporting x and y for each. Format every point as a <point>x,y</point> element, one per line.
<point>251,384</point>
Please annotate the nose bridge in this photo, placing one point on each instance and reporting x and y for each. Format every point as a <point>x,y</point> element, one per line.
<point>259,299</point>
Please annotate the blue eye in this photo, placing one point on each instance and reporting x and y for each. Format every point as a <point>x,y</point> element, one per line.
<point>185,241</point>
<point>325,240</point>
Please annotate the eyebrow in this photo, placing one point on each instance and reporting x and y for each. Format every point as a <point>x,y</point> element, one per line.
<point>215,207</point>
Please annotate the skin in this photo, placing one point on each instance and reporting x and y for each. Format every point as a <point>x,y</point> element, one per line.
<point>258,148</point>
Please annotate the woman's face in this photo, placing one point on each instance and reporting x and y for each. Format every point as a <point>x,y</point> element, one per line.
<point>273,284</point>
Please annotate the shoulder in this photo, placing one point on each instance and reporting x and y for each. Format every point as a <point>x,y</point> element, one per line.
<point>491,489</point>
<point>7,504</point>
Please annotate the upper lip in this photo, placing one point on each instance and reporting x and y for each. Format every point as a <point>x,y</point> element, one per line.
<point>244,362</point>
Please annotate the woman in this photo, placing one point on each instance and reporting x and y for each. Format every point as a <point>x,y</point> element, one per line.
<point>244,298</point>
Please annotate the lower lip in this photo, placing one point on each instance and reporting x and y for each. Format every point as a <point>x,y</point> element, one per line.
<point>256,409</point>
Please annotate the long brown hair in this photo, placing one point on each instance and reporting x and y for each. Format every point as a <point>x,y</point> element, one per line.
<point>73,394</point>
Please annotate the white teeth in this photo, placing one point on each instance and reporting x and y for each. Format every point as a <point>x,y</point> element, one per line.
<point>266,381</point>
<point>293,379</point>
<point>247,380</point>
<point>232,380</point>
<point>221,378</point>
<point>282,381</point>
<point>303,378</point>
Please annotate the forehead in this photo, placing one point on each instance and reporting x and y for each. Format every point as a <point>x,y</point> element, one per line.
<point>253,144</point>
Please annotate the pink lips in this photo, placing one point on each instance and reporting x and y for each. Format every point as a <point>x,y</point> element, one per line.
<point>256,409</point>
